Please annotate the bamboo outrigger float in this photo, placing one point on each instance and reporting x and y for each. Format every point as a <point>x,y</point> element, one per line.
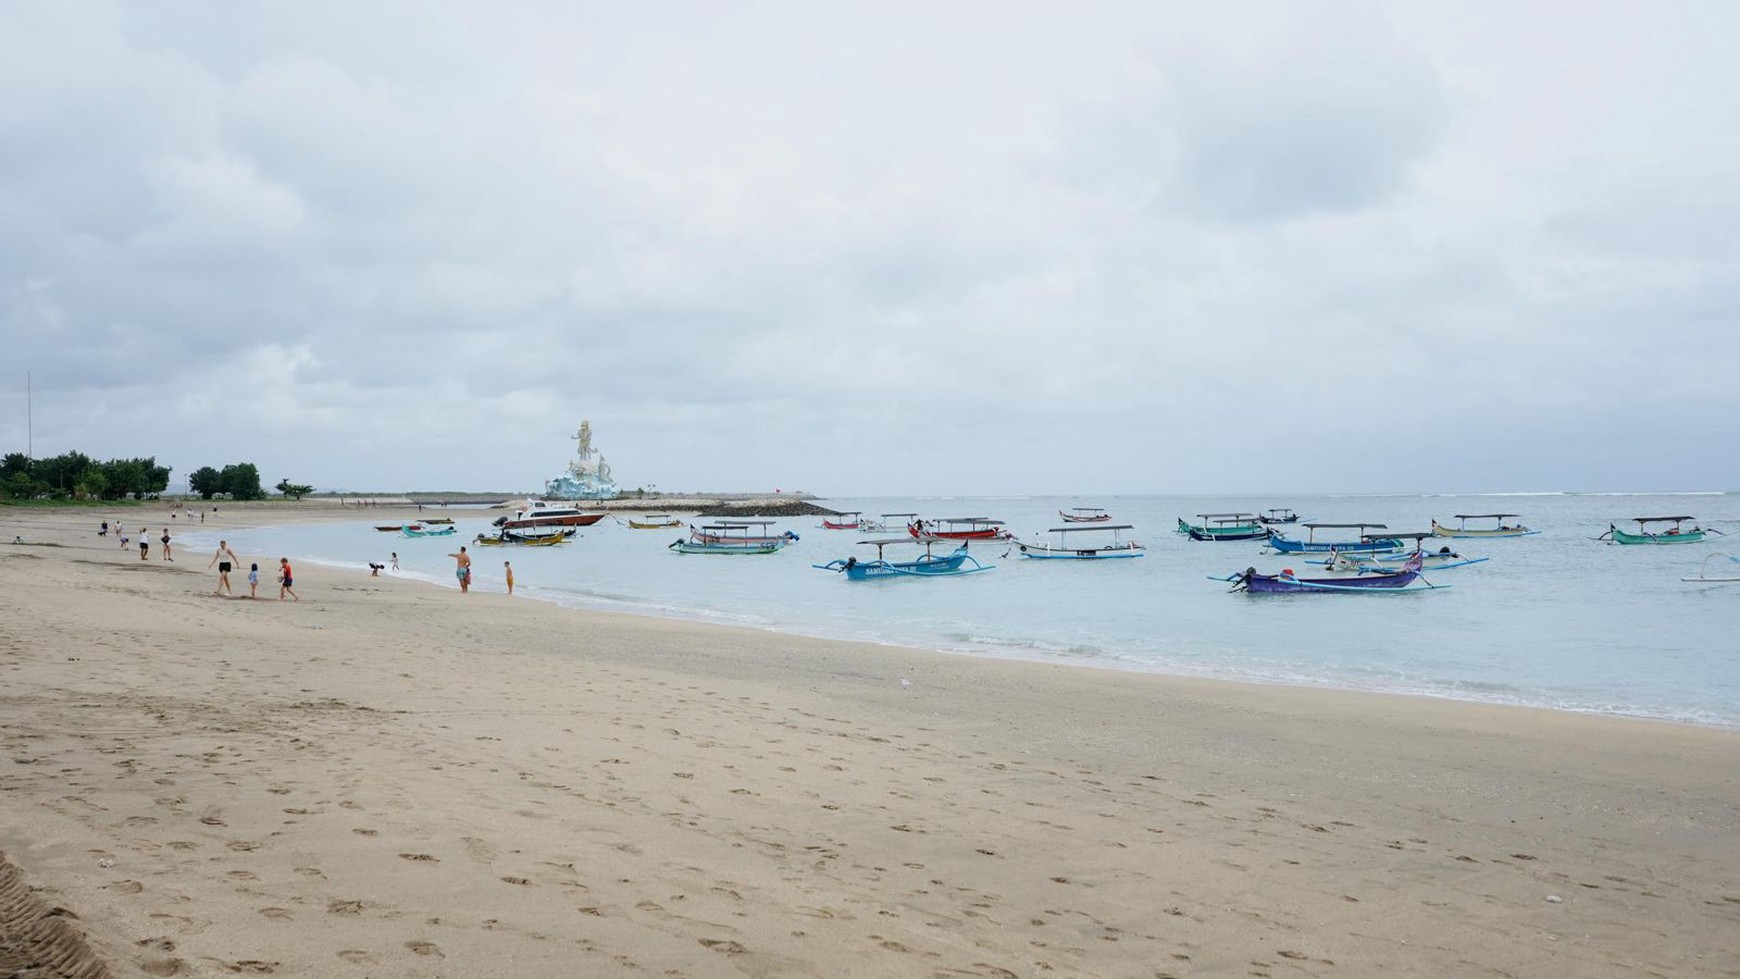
<point>1463,530</point>
<point>1704,575</point>
<point>1677,534</point>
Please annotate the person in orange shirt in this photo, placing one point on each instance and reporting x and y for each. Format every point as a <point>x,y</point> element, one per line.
<point>285,580</point>
<point>508,569</point>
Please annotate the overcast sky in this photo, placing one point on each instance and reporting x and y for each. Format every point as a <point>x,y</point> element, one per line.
<point>878,248</point>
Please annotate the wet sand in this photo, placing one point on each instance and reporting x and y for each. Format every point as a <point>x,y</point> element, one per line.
<point>391,779</point>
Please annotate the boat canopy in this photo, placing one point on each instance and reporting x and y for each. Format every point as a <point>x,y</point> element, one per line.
<point>1661,519</point>
<point>1344,526</point>
<point>850,513</point>
<point>1087,509</point>
<point>1485,516</point>
<point>1212,516</point>
<point>887,515</point>
<point>1095,529</point>
<point>1280,509</point>
<point>978,520</point>
<point>737,525</point>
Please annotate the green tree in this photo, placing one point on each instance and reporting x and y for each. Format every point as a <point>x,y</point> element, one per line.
<point>242,482</point>
<point>205,481</point>
<point>293,490</point>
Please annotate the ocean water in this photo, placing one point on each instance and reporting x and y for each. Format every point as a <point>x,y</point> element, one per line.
<point>1554,620</point>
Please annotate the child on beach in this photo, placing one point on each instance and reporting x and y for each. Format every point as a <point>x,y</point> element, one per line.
<point>254,581</point>
<point>508,570</point>
<point>285,580</point>
<point>165,540</point>
<point>144,544</point>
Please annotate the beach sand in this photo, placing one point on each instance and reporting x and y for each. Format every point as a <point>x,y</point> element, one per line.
<point>391,779</point>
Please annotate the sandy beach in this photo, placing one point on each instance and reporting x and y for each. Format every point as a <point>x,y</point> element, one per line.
<point>392,779</point>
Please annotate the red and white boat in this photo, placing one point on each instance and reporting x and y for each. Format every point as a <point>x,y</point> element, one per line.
<point>850,520</point>
<point>540,514</point>
<point>959,528</point>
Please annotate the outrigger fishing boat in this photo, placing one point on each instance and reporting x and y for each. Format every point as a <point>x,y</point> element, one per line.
<point>1365,544</point>
<point>1225,528</point>
<point>1066,547</point>
<point>1442,559</point>
<point>1704,575</point>
<point>1676,534</point>
<point>655,521</point>
<point>1405,578</point>
<point>412,530</point>
<point>396,527</point>
<point>738,532</point>
<point>545,540</point>
<point>1463,530</point>
<point>856,523</point>
<point>732,538</point>
<point>1278,515</point>
<point>929,565</point>
<point>882,524</point>
<point>1084,514</point>
<point>959,528</point>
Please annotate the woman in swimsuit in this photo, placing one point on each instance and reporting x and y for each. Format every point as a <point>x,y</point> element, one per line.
<point>165,539</point>
<point>223,559</point>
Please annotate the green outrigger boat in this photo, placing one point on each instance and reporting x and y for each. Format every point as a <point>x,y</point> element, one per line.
<point>1222,525</point>
<point>1673,535</point>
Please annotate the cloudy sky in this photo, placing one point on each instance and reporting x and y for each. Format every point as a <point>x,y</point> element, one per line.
<point>881,248</point>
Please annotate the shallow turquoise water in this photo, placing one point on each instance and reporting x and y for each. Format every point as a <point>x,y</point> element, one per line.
<point>1552,620</point>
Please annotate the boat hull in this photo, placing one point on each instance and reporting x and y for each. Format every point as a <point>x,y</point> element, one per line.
<point>716,547</point>
<point>1378,584</point>
<point>1044,552</point>
<point>1683,537</point>
<point>1228,537</point>
<point>1375,545</point>
<point>664,525</point>
<point>1439,530</point>
<point>1078,518</point>
<point>447,531</point>
<point>567,520</point>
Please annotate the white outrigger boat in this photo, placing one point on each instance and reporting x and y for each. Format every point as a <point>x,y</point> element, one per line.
<point>1360,562</point>
<point>1502,529</point>
<point>1704,575</point>
<point>1066,546</point>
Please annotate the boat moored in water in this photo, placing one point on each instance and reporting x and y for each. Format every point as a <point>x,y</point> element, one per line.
<point>855,523</point>
<point>1677,534</point>
<point>1501,530</point>
<point>412,530</point>
<point>928,565</point>
<point>654,521</point>
<point>544,513</point>
<point>1383,582</point>
<point>732,538</point>
<point>959,528</point>
<point>1068,546</point>
<point>1084,514</point>
<point>1278,515</point>
<point>1365,543</point>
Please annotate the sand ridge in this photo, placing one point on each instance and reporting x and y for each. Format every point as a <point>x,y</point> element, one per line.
<point>389,779</point>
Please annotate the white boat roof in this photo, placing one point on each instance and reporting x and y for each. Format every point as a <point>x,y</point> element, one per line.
<point>1095,529</point>
<point>1485,516</point>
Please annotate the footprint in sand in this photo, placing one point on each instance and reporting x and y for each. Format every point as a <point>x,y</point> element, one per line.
<point>355,955</point>
<point>419,857</point>
<point>277,914</point>
<point>125,887</point>
<point>425,948</point>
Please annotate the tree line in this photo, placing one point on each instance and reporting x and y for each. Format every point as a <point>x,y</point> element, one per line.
<point>78,476</point>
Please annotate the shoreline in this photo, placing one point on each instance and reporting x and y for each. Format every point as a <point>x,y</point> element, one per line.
<point>278,513</point>
<point>387,779</point>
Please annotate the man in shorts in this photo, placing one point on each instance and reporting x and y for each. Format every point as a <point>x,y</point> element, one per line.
<point>462,569</point>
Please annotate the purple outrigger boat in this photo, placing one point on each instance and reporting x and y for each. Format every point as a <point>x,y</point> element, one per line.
<point>1406,578</point>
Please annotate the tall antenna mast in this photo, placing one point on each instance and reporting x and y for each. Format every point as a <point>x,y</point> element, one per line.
<point>29,422</point>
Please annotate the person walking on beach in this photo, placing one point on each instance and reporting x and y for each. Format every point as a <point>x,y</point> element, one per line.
<point>144,544</point>
<point>105,531</point>
<point>224,559</point>
<point>395,560</point>
<point>508,570</point>
<point>462,569</point>
<point>165,539</point>
<point>285,580</point>
<point>253,581</point>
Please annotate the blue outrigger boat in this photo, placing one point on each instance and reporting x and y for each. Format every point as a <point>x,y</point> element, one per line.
<point>929,565</point>
<point>1365,544</point>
